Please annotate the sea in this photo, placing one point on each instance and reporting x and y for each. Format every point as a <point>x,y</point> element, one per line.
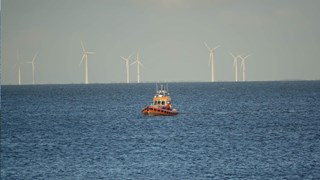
<point>225,130</point>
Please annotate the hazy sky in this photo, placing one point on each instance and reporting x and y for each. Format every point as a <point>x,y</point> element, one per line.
<point>282,35</point>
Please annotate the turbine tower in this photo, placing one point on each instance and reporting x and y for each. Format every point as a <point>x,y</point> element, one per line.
<point>243,66</point>
<point>127,65</point>
<point>211,59</point>
<point>235,65</point>
<point>85,57</point>
<point>19,67</point>
<point>32,63</point>
<point>138,65</point>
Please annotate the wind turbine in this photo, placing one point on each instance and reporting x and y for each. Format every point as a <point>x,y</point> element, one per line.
<point>19,67</point>
<point>235,64</point>
<point>138,64</point>
<point>211,59</point>
<point>243,66</point>
<point>127,65</point>
<point>32,63</point>
<point>85,56</point>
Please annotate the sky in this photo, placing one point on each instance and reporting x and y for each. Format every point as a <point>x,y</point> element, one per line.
<point>282,37</point>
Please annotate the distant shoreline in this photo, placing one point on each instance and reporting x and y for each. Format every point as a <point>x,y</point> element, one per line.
<point>151,82</point>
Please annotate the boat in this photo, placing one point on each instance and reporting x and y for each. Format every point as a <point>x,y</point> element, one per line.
<point>161,105</point>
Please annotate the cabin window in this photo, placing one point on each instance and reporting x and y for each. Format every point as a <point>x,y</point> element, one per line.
<point>159,102</point>
<point>155,103</point>
<point>163,102</point>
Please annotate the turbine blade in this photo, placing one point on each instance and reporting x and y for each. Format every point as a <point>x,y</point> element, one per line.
<point>216,47</point>
<point>18,57</point>
<point>247,56</point>
<point>133,62</point>
<point>88,52</point>
<point>138,57</point>
<point>130,56</point>
<point>34,57</point>
<point>82,46</point>
<point>126,59</point>
<point>141,64</point>
<point>207,46</point>
<point>82,59</point>
<point>233,55</point>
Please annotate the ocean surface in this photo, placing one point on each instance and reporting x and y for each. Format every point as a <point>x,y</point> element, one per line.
<point>244,130</point>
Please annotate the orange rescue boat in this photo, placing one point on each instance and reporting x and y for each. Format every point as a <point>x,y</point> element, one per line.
<point>161,104</point>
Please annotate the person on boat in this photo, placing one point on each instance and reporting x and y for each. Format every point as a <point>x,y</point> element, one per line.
<point>168,105</point>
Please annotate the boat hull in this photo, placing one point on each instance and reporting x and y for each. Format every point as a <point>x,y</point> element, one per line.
<point>157,111</point>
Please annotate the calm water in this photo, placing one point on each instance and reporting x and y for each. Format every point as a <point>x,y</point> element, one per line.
<point>253,130</point>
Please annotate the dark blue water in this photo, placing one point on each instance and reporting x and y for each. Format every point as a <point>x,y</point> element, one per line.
<point>252,130</point>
